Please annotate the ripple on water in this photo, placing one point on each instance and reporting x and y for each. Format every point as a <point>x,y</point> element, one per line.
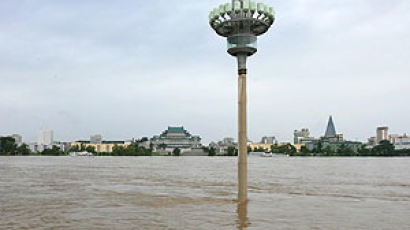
<point>200,193</point>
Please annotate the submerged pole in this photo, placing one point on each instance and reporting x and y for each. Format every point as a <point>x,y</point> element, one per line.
<point>242,136</point>
<point>241,22</point>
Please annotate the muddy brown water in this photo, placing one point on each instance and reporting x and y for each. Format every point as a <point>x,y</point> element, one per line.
<point>200,193</point>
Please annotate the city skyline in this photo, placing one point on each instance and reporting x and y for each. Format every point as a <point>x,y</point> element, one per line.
<point>95,137</point>
<point>81,70</point>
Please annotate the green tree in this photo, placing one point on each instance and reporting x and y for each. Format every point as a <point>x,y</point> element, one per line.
<point>287,149</point>
<point>176,152</point>
<point>23,150</point>
<point>54,151</point>
<point>275,148</point>
<point>304,149</point>
<point>364,151</point>
<point>230,151</point>
<point>250,149</point>
<point>134,149</point>
<point>90,149</point>
<point>7,146</point>
<point>118,150</point>
<point>328,151</point>
<point>345,150</point>
<point>144,139</point>
<point>385,148</point>
<point>211,152</point>
<point>74,148</point>
<point>319,147</point>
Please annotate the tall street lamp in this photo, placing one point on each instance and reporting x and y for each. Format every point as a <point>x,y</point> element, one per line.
<point>241,21</point>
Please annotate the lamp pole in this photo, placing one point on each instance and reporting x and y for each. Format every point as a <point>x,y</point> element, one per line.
<point>241,21</point>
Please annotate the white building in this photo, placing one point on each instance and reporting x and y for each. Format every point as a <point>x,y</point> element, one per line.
<point>302,136</point>
<point>268,140</point>
<point>382,133</point>
<point>400,142</point>
<point>222,146</point>
<point>45,137</point>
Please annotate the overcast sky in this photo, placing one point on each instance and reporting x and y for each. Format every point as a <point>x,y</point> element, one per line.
<point>128,69</point>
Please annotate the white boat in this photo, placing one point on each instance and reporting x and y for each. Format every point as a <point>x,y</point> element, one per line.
<point>265,154</point>
<point>260,154</point>
<point>80,154</point>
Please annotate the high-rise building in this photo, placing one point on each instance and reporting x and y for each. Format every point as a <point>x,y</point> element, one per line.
<point>330,130</point>
<point>382,133</point>
<point>302,136</point>
<point>268,140</point>
<point>45,137</point>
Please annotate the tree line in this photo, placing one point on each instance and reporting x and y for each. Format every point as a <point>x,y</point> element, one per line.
<point>383,149</point>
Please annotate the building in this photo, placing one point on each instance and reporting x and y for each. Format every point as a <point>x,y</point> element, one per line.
<point>227,141</point>
<point>221,147</point>
<point>371,141</point>
<point>330,133</point>
<point>18,139</point>
<point>265,147</point>
<point>63,146</point>
<point>96,139</point>
<point>45,137</point>
<point>400,141</point>
<point>301,137</point>
<point>382,133</point>
<point>265,143</point>
<point>268,140</point>
<point>332,140</point>
<point>45,140</point>
<point>102,147</point>
<point>177,137</point>
<point>330,129</point>
<point>333,145</point>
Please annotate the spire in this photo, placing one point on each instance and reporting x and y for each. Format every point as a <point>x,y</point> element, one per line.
<point>330,130</point>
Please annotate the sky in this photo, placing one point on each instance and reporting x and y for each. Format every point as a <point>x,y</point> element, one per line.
<point>130,68</point>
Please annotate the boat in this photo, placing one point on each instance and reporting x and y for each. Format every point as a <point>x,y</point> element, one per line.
<point>81,154</point>
<point>266,154</point>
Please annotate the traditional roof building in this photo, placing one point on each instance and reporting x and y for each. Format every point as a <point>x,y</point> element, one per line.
<point>177,137</point>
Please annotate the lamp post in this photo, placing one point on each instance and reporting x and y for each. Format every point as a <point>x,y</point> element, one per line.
<point>241,21</point>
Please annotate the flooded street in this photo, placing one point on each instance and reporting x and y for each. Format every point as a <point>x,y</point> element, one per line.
<point>200,193</point>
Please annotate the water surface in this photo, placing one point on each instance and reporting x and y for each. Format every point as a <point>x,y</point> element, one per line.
<point>200,192</point>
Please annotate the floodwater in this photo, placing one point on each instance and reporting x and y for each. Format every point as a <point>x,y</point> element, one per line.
<point>200,192</point>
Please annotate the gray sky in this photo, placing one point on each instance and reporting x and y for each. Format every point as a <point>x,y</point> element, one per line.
<point>131,68</point>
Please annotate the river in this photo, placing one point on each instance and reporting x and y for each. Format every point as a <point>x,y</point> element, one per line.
<point>200,192</point>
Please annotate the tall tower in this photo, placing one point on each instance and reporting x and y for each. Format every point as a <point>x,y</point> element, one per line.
<point>45,137</point>
<point>241,21</point>
<point>330,130</point>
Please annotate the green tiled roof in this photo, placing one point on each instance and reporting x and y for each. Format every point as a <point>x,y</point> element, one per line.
<point>178,129</point>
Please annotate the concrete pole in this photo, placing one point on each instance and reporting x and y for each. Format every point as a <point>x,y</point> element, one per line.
<point>242,137</point>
